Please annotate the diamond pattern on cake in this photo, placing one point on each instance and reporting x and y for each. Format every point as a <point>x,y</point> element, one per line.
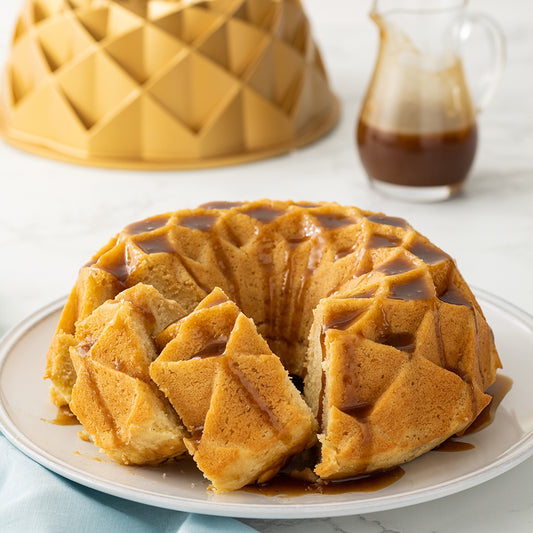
<point>153,83</point>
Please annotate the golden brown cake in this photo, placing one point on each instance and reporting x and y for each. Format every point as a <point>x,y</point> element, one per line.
<point>395,351</point>
<point>113,396</point>
<point>394,369</point>
<point>244,413</point>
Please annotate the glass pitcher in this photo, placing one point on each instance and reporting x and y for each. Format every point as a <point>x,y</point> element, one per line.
<point>417,132</point>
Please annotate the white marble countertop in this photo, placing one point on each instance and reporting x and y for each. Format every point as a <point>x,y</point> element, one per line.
<point>54,216</point>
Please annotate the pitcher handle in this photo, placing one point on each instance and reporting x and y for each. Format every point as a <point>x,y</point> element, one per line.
<point>486,87</point>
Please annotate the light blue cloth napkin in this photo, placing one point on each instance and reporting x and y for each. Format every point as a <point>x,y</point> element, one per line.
<point>33,499</point>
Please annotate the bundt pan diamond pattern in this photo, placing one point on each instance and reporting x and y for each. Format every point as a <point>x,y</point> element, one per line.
<point>164,84</point>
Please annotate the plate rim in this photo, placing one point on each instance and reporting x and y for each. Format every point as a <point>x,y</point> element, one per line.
<point>511,457</point>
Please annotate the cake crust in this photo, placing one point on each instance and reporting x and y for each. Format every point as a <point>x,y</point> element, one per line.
<point>393,347</point>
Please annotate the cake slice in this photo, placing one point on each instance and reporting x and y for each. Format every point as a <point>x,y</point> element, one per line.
<point>113,396</point>
<point>386,378</point>
<point>245,415</point>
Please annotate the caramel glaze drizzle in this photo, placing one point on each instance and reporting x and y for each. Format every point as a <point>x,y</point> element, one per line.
<point>453,296</point>
<point>119,267</point>
<point>287,286</point>
<point>84,347</point>
<point>221,205</point>
<point>416,289</point>
<point>265,251</point>
<point>498,390</point>
<point>370,293</point>
<point>196,435</point>
<point>431,255</point>
<point>147,225</point>
<point>214,348</point>
<point>307,205</point>
<point>225,266</point>
<point>440,344</point>
<point>332,222</point>
<point>326,222</point>
<point>404,341</point>
<point>199,222</point>
<point>213,303</point>
<point>320,411</point>
<point>313,260</point>
<point>64,417</point>
<point>264,215</point>
<point>217,348</point>
<point>155,244</point>
<point>382,241</point>
<point>340,322</point>
<point>347,251</point>
<point>345,319</point>
<point>419,289</point>
<point>452,445</point>
<point>398,265</point>
<point>206,223</point>
<point>401,341</point>
<point>389,221</point>
<point>287,485</point>
<point>352,405</point>
<point>253,394</point>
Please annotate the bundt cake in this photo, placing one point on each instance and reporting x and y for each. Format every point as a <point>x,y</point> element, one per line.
<point>393,348</point>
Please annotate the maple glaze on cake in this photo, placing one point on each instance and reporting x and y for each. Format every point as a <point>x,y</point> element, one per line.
<point>392,345</point>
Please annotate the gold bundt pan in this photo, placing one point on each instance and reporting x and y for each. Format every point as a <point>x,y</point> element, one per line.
<point>164,83</point>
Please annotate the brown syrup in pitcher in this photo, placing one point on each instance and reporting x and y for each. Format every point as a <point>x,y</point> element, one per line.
<point>422,160</point>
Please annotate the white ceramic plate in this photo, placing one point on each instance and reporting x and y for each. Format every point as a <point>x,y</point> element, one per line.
<point>25,408</point>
